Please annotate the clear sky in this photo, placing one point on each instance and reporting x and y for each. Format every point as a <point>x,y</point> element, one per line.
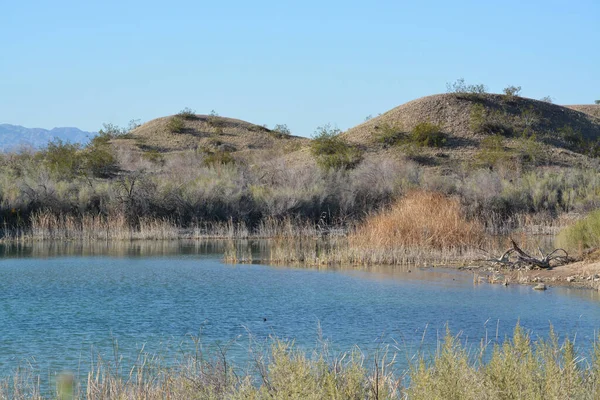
<point>302,63</point>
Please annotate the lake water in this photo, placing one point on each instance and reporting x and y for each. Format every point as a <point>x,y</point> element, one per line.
<point>62,303</point>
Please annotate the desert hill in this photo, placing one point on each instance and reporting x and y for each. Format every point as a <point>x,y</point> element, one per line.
<point>467,119</point>
<point>208,134</point>
<point>590,109</point>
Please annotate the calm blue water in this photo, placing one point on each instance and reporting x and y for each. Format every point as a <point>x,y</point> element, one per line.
<point>55,311</point>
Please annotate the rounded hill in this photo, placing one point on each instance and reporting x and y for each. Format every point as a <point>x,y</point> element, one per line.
<point>208,133</point>
<point>458,124</point>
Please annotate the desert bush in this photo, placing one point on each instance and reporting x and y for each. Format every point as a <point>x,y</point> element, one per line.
<point>460,87</point>
<point>332,151</point>
<point>281,130</point>
<point>510,92</point>
<point>389,134</point>
<point>572,137</point>
<point>176,124</point>
<point>427,134</point>
<point>62,159</point>
<point>530,151</point>
<point>154,156</point>
<point>547,99</point>
<point>219,157</point>
<point>99,158</point>
<point>187,113</point>
<point>489,122</point>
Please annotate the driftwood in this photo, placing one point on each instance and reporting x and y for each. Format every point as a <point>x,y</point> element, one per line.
<point>515,258</point>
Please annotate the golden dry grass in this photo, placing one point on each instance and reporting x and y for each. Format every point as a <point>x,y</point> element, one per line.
<point>420,219</point>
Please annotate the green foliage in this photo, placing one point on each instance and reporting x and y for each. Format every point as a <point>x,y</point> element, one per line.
<point>460,87</point>
<point>176,124</point>
<point>486,122</point>
<point>215,158</point>
<point>572,137</point>
<point>187,113</point>
<point>99,158</point>
<point>154,156</point>
<point>427,134</point>
<point>530,150</point>
<point>547,99</point>
<point>597,102</point>
<point>390,135</point>
<point>583,234</point>
<point>332,151</point>
<point>510,92</point>
<point>492,152</point>
<point>281,131</point>
<point>62,159</point>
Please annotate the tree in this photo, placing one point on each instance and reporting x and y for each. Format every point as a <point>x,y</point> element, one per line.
<point>597,102</point>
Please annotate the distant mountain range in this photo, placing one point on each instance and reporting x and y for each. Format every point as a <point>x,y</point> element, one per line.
<point>14,136</point>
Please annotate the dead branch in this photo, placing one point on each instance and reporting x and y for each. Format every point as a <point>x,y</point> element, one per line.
<point>516,258</point>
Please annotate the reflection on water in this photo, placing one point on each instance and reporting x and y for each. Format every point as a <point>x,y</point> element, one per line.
<point>58,301</point>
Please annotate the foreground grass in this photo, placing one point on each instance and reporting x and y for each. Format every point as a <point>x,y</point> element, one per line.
<point>519,368</point>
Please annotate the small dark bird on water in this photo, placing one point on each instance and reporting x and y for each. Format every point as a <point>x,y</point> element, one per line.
<point>264,320</point>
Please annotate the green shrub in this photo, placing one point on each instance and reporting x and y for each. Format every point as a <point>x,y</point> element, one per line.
<point>427,134</point>
<point>281,131</point>
<point>390,135</point>
<point>176,124</point>
<point>571,136</point>
<point>187,113</point>
<point>583,234</point>
<point>99,158</point>
<point>154,156</point>
<point>597,102</point>
<point>531,151</point>
<point>485,122</point>
<point>460,87</point>
<point>333,152</point>
<point>547,99</point>
<point>510,92</point>
<point>492,152</point>
<point>63,159</point>
<point>219,157</point>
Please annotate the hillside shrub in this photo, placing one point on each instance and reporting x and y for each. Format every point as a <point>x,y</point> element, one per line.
<point>281,131</point>
<point>492,152</point>
<point>187,113</point>
<point>462,88</point>
<point>571,136</point>
<point>99,158</point>
<point>489,122</point>
<point>219,157</point>
<point>390,134</point>
<point>510,92</point>
<point>547,99</point>
<point>332,151</point>
<point>62,159</point>
<point>427,134</point>
<point>176,124</point>
<point>530,151</point>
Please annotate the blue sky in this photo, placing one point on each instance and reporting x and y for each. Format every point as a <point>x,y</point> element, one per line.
<point>304,64</point>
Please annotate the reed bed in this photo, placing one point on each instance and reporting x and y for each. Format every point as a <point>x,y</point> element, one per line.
<point>517,368</point>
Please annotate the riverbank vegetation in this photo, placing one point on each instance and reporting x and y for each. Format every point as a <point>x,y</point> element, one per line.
<point>521,367</point>
<point>495,165</point>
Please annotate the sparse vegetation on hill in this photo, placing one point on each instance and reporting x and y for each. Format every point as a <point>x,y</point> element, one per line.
<point>505,163</point>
